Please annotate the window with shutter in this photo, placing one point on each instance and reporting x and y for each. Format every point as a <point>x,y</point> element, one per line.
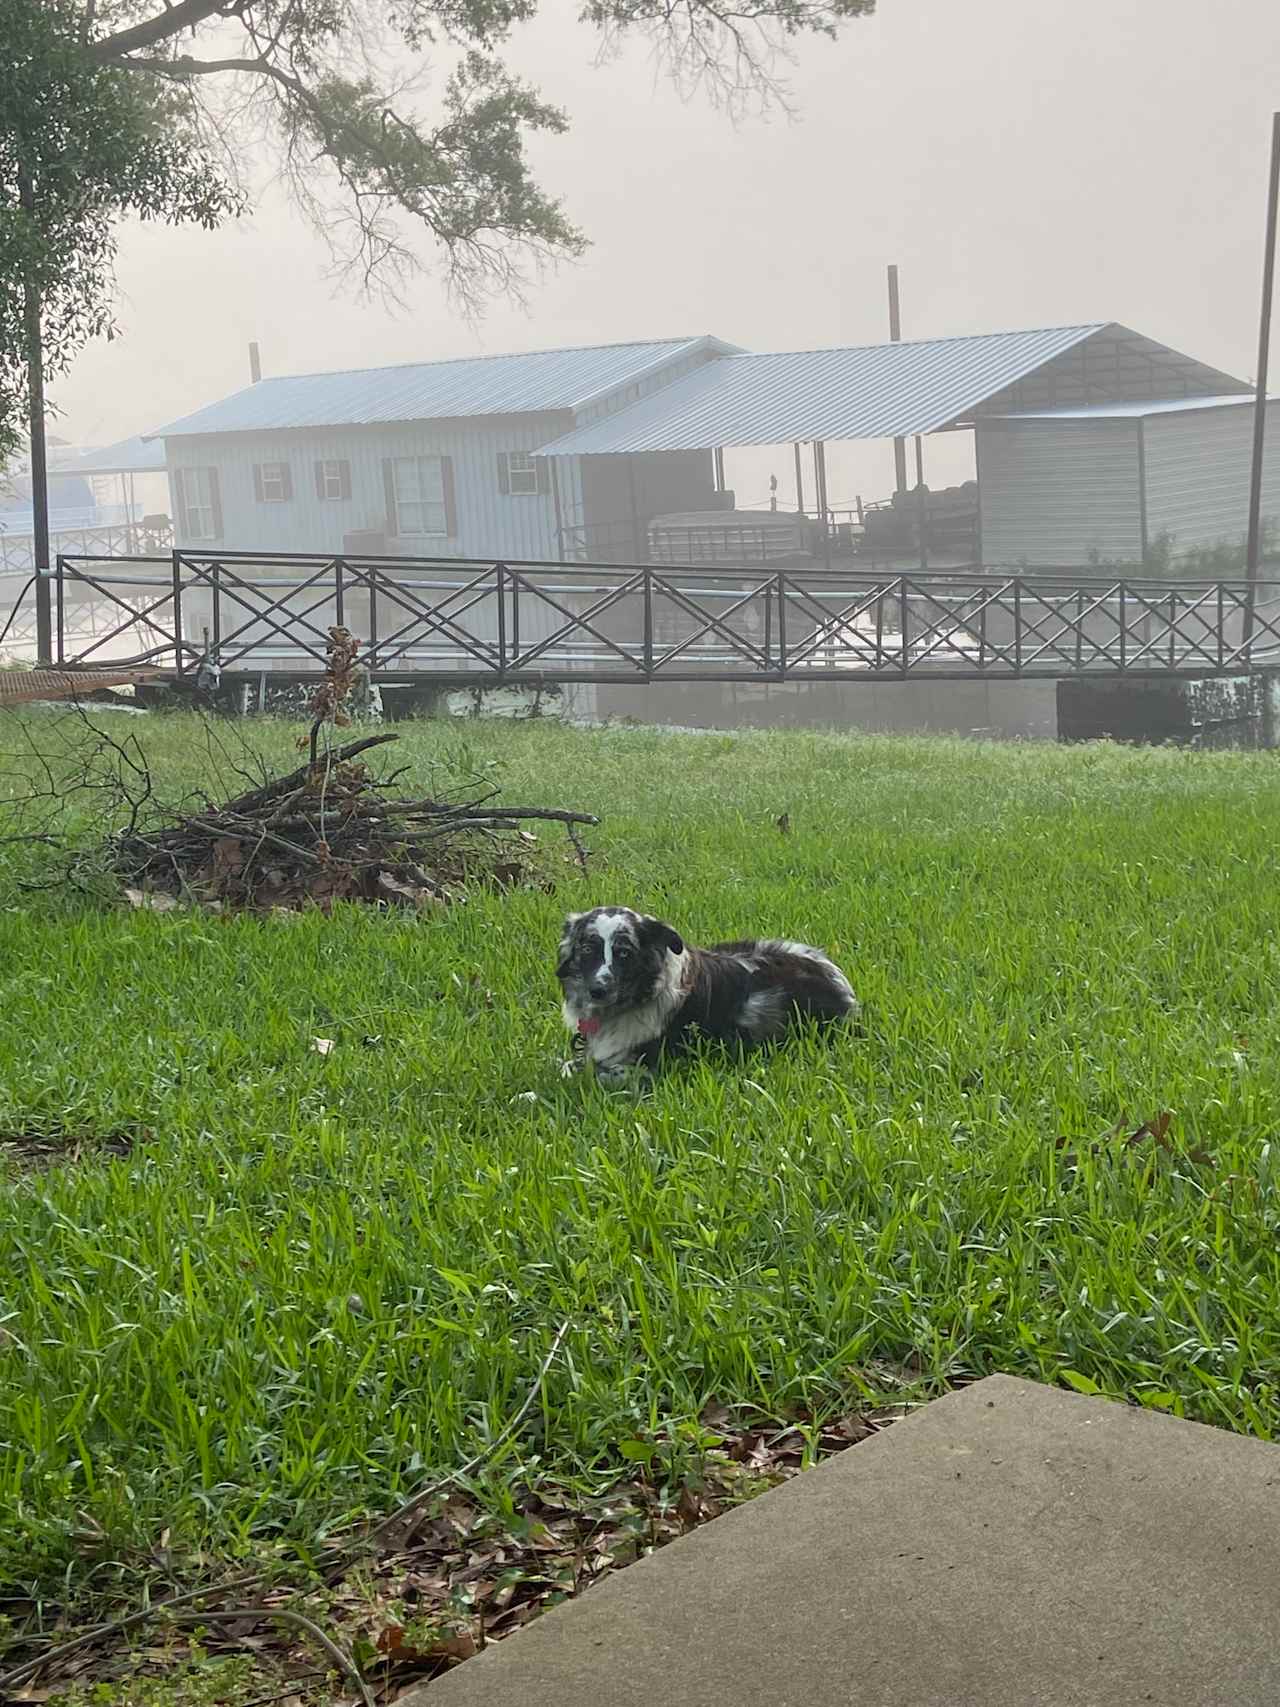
<point>273,482</point>
<point>522,474</point>
<point>333,479</point>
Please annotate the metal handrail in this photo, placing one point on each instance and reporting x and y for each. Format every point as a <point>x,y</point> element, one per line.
<point>533,620</point>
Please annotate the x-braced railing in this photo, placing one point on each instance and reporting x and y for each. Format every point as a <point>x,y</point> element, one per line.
<point>508,621</point>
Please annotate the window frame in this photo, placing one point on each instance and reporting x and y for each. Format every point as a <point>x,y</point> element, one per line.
<point>275,475</point>
<point>402,502</point>
<point>522,465</point>
<point>194,503</point>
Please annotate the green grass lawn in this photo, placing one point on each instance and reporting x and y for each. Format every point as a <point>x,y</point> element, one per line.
<point>320,1278</point>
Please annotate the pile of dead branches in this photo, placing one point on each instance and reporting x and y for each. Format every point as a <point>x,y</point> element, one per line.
<point>331,831</point>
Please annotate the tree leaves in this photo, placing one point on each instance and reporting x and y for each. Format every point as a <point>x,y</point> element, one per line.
<point>81,145</point>
<point>117,107</point>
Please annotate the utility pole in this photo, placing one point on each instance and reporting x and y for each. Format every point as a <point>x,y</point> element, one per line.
<point>1253,547</point>
<point>39,459</point>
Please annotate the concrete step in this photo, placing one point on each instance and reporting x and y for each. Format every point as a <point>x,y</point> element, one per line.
<point>1009,1544</point>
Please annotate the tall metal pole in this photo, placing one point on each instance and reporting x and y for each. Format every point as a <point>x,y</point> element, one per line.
<point>39,459</point>
<point>1253,546</point>
<point>895,337</point>
<point>820,497</point>
<point>799,483</point>
<point>921,510</point>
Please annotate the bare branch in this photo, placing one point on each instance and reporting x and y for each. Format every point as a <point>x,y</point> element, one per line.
<point>180,69</point>
<point>185,15</point>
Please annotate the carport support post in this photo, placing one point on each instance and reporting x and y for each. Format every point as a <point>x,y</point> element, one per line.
<point>1254,545</point>
<point>799,481</point>
<point>895,337</point>
<point>921,520</point>
<point>820,497</point>
<point>638,554</point>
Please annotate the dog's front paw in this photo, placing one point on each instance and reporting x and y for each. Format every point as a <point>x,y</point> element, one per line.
<point>620,1075</point>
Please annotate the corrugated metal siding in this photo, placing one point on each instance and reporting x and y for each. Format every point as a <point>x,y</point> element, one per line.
<point>537,382</point>
<point>1198,476</point>
<point>1059,493</point>
<point>489,524</point>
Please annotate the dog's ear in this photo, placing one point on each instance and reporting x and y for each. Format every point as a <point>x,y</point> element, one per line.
<point>565,950</point>
<point>662,936</point>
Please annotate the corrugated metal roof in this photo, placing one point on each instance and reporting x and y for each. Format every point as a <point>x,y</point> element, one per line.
<point>865,392</point>
<point>130,456</point>
<point>1133,411</point>
<point>537,382</point>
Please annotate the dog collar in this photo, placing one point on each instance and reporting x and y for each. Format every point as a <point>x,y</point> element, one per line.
<point>588,1027</point>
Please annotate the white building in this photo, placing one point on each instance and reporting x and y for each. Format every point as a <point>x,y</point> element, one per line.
<point>1093,444</point>
<point>433,459</point>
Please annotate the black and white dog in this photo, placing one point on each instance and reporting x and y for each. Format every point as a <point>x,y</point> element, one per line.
<point>633,990</point>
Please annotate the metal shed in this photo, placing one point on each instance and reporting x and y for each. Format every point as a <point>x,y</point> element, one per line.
<point>1160,483</point>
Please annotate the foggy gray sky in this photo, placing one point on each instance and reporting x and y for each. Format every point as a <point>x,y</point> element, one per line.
<point>1026,162</point>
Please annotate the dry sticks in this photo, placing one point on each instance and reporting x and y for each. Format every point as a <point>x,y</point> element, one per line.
<point>327,832</point>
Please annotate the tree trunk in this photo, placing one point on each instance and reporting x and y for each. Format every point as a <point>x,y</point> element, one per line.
<point>39,462</point>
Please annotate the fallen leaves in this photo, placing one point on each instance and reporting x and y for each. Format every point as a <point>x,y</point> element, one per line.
<point>149,900</point>
<point>462,1578</point>
<point>459,1577</point>
<point>29,1152</point>
<point>1155,1132</point>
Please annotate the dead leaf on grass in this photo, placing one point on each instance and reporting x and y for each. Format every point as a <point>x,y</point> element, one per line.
<point>1155,1131</point>
<point>716,1417</point>
<point>401,894</point>
<point>150,900</point>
